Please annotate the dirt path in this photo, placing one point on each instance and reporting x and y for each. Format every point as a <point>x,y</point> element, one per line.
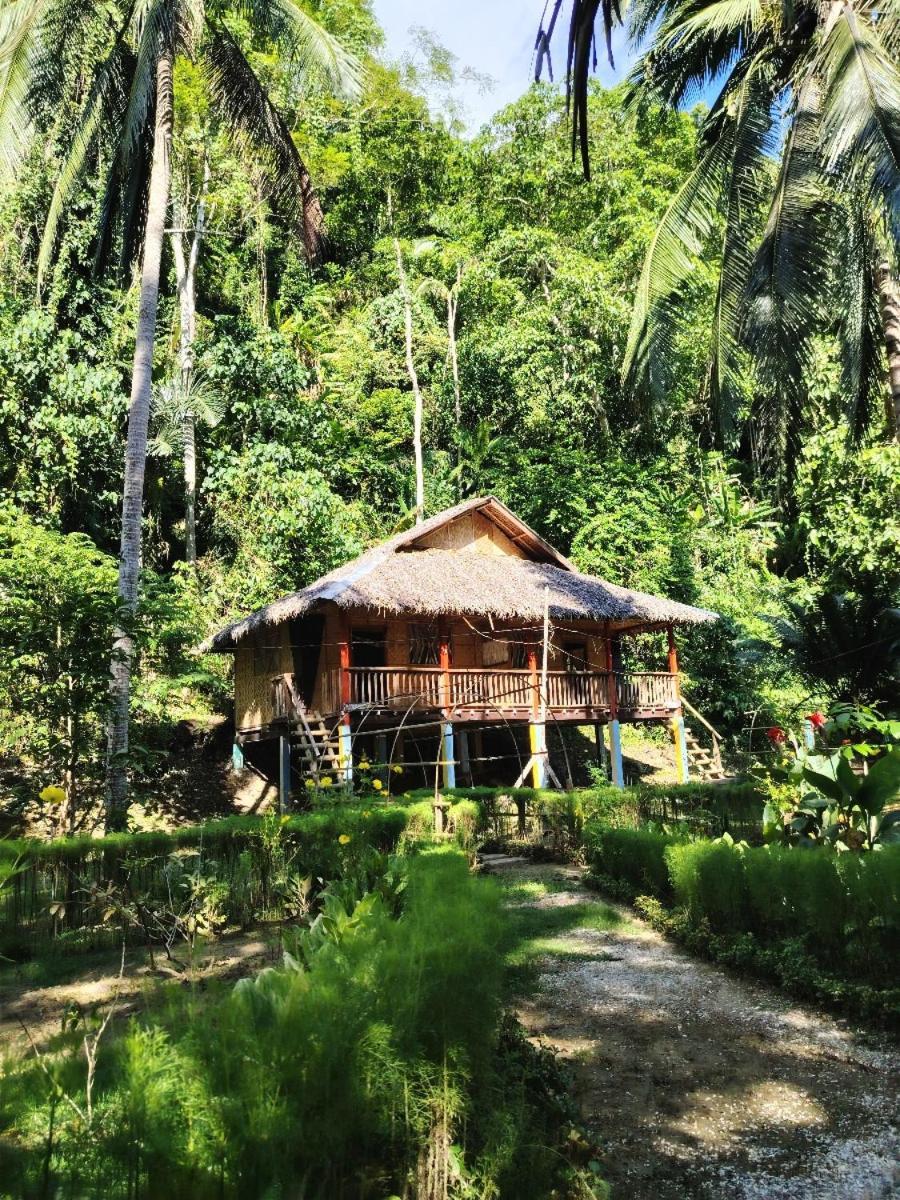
<point>696,1084</point>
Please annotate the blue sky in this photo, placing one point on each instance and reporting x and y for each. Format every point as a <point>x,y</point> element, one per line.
<point>495,37</point>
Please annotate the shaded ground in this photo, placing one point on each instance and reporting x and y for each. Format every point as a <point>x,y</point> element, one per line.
<point>39,994</point>
<point>696,1084</point>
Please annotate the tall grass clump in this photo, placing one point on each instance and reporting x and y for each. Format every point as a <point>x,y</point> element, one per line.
<point>373,1062</point>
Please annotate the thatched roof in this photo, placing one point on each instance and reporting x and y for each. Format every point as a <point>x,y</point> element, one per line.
<point>398,578</point>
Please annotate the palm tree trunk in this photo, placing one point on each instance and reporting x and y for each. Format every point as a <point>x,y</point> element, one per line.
<point>452,306</point>
<point>414,380</point>
<point>890,322</point>
<point>136,449</point>
<point>186,277</point>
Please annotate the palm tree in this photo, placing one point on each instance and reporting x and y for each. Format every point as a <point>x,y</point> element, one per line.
<point>419,468</point>
<point>127,109</point>
<point>803,142</point>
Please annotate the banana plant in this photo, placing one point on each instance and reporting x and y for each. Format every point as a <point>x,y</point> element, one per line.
<point>830,793</point>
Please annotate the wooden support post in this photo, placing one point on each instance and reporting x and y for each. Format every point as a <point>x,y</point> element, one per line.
<point>284,774</point>
<point>534,745</point>
<point>673,657</point>
<point>600,743</point>
<point>465,764</point>
<point>539,761</point>
<point>344,651</point>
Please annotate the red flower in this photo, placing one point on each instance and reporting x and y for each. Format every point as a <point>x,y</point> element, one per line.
<point>776,735</point>
<point>816,720</point>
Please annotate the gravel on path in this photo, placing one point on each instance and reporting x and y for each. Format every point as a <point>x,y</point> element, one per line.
<point>697,1084</point>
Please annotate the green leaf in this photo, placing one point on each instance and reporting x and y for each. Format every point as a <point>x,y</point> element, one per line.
<point>882,784</point>
<point>825,784</point>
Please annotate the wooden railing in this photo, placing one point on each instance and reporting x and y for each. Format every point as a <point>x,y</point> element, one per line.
<point>286,702</point>
<point>500,688</point>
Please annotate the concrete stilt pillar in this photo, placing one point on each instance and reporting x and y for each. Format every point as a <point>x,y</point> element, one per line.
<point>284,773</point>
<point>681,750</point>
<point>537,736</point>
<point>345,752</point>
<point>237,757</point>
<point>448,755</point>
<point>615,752</point>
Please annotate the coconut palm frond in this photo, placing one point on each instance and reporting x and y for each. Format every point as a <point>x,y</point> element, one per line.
<point>861,110</point>
<point>173,402</point>
<point>671,259</point>
<point>20,31</point>
<point>791,268</point>
<point>691,45</point>
<point>307,45</point>
<point>243,102</point>
<point>581,58</point>
<point>860,332</point>
<point>106,84</point>
<point>748,180</point>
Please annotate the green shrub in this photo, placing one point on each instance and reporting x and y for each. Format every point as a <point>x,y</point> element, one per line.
<point>707,879</point>
<point>634,856</point>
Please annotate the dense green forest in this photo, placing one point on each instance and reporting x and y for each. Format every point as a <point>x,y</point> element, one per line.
<point>297,414</point>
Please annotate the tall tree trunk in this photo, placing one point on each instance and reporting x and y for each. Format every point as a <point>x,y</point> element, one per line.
<point>186,276</point>
<point>889,298</point>
<point>414,380</point>
<point>452,307</point>
<point>136,449</point>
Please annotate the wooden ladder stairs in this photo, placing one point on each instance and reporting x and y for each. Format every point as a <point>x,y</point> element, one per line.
<point>318,746</point>
<point>704,761</point>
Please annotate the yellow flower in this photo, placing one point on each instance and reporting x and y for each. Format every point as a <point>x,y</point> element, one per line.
<point>325,781</point>
<point>309,783</point>
<point>364,765</point>
<point>367,813</point>
<point>377,785</point>
<point>53,795</point>
<point>344,839</point>
<point>397,769</point>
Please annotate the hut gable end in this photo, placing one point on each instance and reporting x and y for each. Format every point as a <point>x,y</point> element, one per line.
<point>471,533</point>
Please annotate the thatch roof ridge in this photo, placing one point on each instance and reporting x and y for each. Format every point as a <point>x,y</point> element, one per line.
<point>432,581</point>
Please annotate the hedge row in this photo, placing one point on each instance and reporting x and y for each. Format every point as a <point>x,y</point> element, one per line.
<point>844,908</point>
<point>707,808</point>
<point>80,889</point>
